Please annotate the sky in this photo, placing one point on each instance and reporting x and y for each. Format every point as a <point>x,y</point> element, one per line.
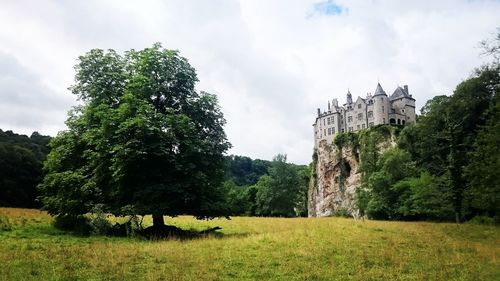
<point>270,62</point>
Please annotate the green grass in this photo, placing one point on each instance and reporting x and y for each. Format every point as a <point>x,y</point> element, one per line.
<point>254,249</point>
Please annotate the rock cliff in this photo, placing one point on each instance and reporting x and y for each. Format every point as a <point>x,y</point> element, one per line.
<point>336,172</point>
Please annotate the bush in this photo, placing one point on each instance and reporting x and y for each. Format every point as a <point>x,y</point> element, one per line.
<point>342,212</point>
<point>5,224</point>
<point>483,220</point>
<point>99,221</point>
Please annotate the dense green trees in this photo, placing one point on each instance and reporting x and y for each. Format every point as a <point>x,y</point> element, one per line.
<point>281,189</point>
<point>445,166</point>
<point>143,142</point>
<point>21,160</point>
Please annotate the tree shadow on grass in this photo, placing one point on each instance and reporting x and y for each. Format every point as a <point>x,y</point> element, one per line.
<point>170,232</point>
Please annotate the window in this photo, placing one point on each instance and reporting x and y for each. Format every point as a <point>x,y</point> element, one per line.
<point>360,116</point>
<point>324,131</point>
<point>370,124</point>
<point>370,114</point>
<point>342,130</point>
<point>402,110</point>
<point>328,120</point>
<point>350,129</point>
<point>333,130</point>
<point>349,118</point>
<point>357,127</point>
<point>384,121</point>
<point>383,108</point>
<point>359,105</point>
<point>363,126</point>
<point>324,122</point>
<point>329,129</point>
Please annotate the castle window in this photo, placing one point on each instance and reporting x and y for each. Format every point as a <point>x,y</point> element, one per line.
<point>402,110</point>
<point>350,129</point>
<point>349,118</point>
<point>333,130</point>
<point>384,121</point>
<point>329,130</point>
<point>328,120</point>
<point>360,116</point>
<point>324,131</point>
<point>383,108</point>
<point>370,124</point>
<point>370,114</point>
<point>359,105</point>
<point>363,126</point>
<point>357,127</point>
<point>342,130</point>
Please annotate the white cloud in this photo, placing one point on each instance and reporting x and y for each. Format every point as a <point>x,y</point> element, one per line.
<point>270,62</point>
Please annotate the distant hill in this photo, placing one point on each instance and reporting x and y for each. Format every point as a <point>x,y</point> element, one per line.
<point>21,160</point>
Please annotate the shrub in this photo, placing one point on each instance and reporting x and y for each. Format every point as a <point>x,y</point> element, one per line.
<point>341,212</point>
<point>5,224</point>
<point>98,222</point>
<point>484,220</point>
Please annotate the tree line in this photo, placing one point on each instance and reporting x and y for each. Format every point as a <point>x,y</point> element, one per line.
<point>21,162</point>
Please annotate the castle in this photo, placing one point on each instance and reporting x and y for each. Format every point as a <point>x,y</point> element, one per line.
<point>399,108</point>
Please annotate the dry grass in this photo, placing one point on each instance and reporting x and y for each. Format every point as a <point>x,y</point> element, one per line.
<point>255,249</point>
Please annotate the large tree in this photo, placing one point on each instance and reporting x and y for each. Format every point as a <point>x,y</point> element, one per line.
<point>143,142</point>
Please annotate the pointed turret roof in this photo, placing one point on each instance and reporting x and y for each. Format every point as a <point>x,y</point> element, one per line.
<point>379,90</point>
<point>400,93</point>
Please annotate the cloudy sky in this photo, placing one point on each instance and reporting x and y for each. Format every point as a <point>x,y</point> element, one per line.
<point>271,62</point>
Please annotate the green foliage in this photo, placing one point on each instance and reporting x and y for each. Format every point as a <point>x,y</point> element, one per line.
<point>456,141</point>
<point>143,142</point>
<point>482,195</point>
<point>484,220</point>
<point>278,193</point>
<point>5,224</point>
<point>99,222</point>
<point>238,200</point>
<point>395,165</point>
<point>342,212</point>
<point>425,198</point>
<point>21,160</point>
<point>244,171</point>
<point>304,173</point>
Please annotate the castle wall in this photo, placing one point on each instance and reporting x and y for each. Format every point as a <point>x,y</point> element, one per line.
<point>363,113</point>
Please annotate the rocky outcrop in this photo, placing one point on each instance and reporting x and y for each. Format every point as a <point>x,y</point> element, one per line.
<point>334,181</point>
<point>336,172</point>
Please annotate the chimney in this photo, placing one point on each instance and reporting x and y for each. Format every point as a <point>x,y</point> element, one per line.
<point>406,89</point>
<point>319,112</point>
<point>335,102</point>
<point>328,105</point>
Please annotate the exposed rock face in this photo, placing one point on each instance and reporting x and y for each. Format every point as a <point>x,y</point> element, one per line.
<point>335,179</point>
<point>336,174</point>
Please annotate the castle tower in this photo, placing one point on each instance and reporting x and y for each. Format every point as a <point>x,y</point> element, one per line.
<point>381,106</point>
<point>403,105</point>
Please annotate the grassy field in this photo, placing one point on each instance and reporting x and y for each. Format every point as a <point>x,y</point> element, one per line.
<point>254,249</point>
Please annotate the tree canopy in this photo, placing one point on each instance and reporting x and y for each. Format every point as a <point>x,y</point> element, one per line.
<point>143,142</point>
<point>21,159</point>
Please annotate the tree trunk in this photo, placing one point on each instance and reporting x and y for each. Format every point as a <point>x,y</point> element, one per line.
<point>158,220</point>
